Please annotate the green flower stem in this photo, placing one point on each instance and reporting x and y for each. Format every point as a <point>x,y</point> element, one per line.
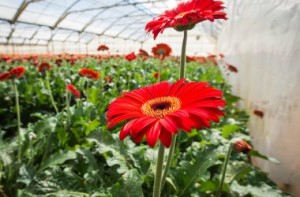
<point>50,92</point>
<point>18,120</point>
<point>181,75</point>
<point>183,56</point>
<point>160,68</point>
<point>219,191</point>
<point>159,168</point>
<point>68,108</point>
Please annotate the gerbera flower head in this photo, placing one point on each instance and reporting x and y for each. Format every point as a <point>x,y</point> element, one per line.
<point>4,76</point>
<point>89,73</point>
<point>73,90</point>
<point>131,56</point>
<point>186,15</point>
<point>242,146</point>
<point>156,75</point>
<point>17,72</point>
<point>232,68</point>
<point>158,111</point>
<point>162,49</point>
<point>58,62</point>
<point>143,53</point>
<point>102,48</point>
<point>43,67</point>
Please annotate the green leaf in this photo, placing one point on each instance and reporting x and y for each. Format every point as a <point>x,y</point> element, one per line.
<point>227,130</point>
<point>255,153</point>
<point>58,158</point>
<point>263,190</point>
<point>129,185</point>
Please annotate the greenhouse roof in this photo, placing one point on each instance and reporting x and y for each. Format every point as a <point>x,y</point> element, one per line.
<point>39,22</point>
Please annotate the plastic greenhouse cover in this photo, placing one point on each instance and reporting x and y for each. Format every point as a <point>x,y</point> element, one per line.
<point>116,18</point>
<point>262,40</point>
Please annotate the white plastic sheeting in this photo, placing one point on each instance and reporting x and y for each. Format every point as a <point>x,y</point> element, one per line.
<point>262,39</point>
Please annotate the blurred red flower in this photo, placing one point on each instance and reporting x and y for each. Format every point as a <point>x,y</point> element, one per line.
<point>158,111</point>
<point>131,56</point>
<point>186,15</point>
<point>156,75</point>
<point>89,73</point>
<point>108,79</point>
<point>73,90</point>
<point>232,68</point>
<point>4,76</point>
<point>17,72</point>
<point>242,146</point>
<point>259,113</point>
<point>143,53</point>
<point>58,62</point>
<point>43,67</point>
<point>102,48</point>
<point>190,59</point>
<point>162,50</point>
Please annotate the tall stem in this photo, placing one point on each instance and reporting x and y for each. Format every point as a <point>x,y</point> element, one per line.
<point>219,191</point>
<point>68,108</point>
<point>18,120</point>
<point>50,92</point>
<point>181,75</point>
<point>159,168</point>
<point>183,56</point>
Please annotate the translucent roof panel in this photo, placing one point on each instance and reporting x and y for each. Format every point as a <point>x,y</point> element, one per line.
<point>82,20</point>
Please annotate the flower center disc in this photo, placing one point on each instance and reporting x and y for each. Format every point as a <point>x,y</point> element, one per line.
<point>160,107</point>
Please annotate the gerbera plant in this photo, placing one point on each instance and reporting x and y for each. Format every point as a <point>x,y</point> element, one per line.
<point>184,17</point>
<point>158,111</point>
<point>14,74</point>
<point>43,68</point>
<point>161,50</point>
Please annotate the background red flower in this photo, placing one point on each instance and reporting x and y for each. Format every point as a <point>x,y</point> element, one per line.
<point>73,90</point>
<point>131,56</point>
<point>103,48</point>
<point>4,76</point>
<point>17,72</point>
<point>43,67</point>
<point>89,73</point>
<point>162,50</point>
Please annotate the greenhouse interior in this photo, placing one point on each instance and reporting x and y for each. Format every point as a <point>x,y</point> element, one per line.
<point>133,98</point>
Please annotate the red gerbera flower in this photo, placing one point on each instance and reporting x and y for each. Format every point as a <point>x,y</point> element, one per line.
<point>143,53</point>
<point>158,111</point>
<point>89,73</point>
<point>186,15</point>
<point>103,48</point>
<point>242,146</point>
<point>108,79</point>
<point>162,49</point>
<point>131,56</point>
<point>156,75</point>
<point>17,72</point>
<point>43,67</point>
<point>4,76</point>
<point>73,90</point>
<point>232,68</point>
<point>58,62</point>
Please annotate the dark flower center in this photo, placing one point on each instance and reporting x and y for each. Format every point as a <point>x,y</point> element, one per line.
<point>161,106</point>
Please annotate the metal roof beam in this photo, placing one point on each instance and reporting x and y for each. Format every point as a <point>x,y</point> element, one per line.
<point>64,15</point>
<point>22,7</point>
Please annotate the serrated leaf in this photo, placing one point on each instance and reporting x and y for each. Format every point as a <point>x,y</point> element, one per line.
<point>129,185</point>
<point>58,158</point>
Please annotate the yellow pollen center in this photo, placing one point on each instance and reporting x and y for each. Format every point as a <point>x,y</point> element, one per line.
<point>160,107</point>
